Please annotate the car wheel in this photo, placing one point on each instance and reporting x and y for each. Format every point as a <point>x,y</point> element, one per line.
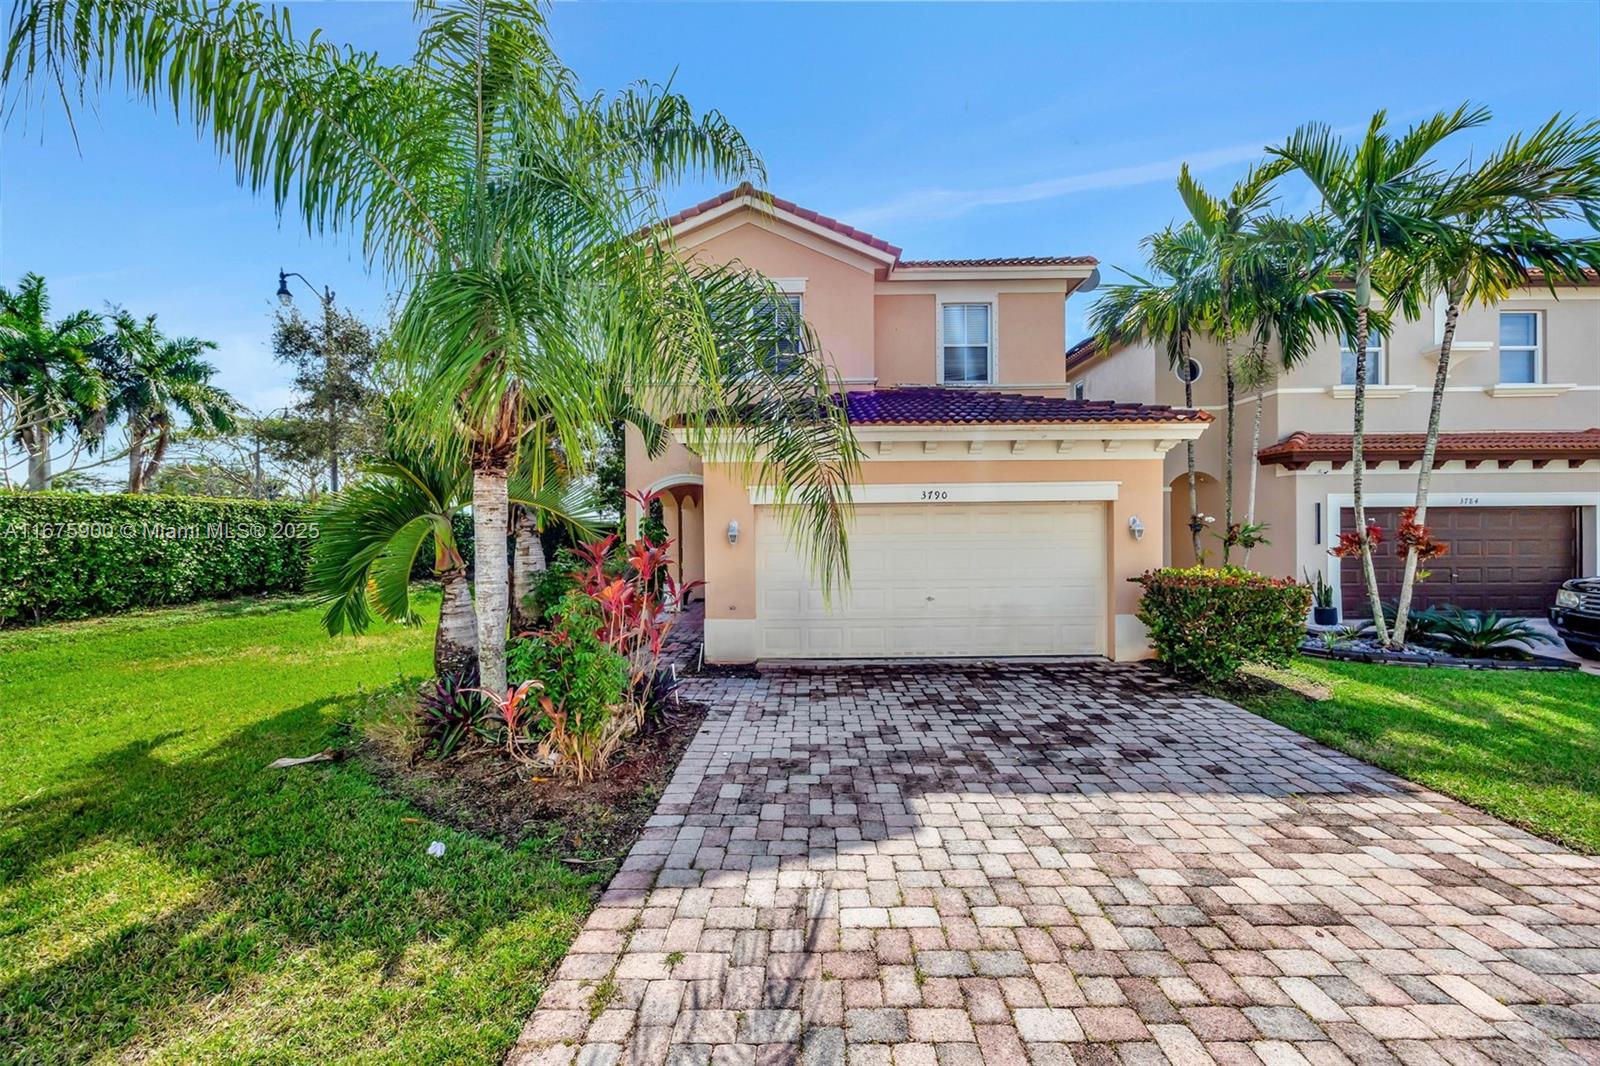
<point>1584,651</point>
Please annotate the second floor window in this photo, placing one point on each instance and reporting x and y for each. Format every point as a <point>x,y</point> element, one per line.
<point>964,344</point>
<point>787,321</point>
<point>1347,360</point>
<point>1520,361</point>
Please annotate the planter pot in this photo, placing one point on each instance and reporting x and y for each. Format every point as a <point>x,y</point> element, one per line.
<point>1325,616</point>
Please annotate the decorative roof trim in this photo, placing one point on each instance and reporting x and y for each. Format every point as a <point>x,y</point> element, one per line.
<point>1299,450</point>
<point>930,406</point>
<point>747,195</point>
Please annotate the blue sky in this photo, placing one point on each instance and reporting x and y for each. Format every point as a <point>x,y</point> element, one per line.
<point>948,129</point>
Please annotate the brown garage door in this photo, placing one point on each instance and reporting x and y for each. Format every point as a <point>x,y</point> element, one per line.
<point>1509,559</point>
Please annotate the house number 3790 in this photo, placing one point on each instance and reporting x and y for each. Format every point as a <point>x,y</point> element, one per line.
<point>935,494</point>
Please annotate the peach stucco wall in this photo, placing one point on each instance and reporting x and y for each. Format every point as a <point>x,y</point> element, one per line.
<point>731,568</point>
<point>1031,338</point>
<point>907,339</point>
<point>676,464</point>
<point>837,301</point>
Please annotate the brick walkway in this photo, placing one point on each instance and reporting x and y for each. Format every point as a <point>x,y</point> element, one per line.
<point>1082,863</point>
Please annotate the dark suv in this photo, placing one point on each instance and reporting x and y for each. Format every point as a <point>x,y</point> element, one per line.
<point>1576,615</point>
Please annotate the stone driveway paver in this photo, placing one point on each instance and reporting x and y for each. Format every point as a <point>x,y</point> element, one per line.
<point>934,865</point>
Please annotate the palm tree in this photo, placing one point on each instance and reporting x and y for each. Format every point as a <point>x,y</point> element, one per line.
<point>1226,227</point>
<point>154,380</point>
<point>1166,309</point>
<point>371,533</point>
<point>520,215</point>
<point>1377,198</point>
<point>1291,301</point>
<point>46,373</point>
<point>1493,226</point>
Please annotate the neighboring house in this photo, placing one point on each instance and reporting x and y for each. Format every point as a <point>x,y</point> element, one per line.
<point>995,516</point>
<point>1516,481</point>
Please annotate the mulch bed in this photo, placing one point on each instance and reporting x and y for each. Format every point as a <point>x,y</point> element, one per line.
<point>1416,655</point>
<point>591,826</point>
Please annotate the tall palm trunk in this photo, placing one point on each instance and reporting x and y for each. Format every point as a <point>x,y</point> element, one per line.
<point>1369,573</point>
<point>491,577</point>
<point>1255,465</point>
<point>135,458</point>
<point>527,563</point>
<point>456,646</point>
<point>1425,475</point>
<point>158,455</point>
<point>36,440</point>
<point>1227,460</point>
<point>1194,491</point>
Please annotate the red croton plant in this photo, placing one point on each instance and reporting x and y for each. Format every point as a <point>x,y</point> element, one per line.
<point>1413,534</point>
<point>638,605</point>
<point>1349,546</point>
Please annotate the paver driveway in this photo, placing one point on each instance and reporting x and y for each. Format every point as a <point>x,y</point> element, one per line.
<point>951,864</point>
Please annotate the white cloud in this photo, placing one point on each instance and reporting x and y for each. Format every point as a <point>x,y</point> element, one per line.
<point>954,202</point>
<point>949,203</point>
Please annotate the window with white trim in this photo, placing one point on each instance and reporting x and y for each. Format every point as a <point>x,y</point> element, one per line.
<point>1347,359</point>
<point>965,344</point>
<point>1078,390</point>
<point>1521,348</point>
<point>788,316</point>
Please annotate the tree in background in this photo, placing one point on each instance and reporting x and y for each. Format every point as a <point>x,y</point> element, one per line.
<point>1226,225</point>
<point>1290,301</point>
<point>158,384</point>
<point>49,384</point>
<point>521,214</point>
<point>333,358</point>
<point>1168,308</point>
<point>1493,223</point>
<point>1378,199</point>
<point>372,534</point>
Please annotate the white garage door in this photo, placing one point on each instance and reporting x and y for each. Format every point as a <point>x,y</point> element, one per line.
<point>942,580</point>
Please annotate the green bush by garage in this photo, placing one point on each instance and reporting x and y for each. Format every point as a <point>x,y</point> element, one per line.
<point>71,555</point>
<point>1206,623</point>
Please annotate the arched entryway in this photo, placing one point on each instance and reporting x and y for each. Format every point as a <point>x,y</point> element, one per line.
<point>1180,542</point>
<point>682,510</point>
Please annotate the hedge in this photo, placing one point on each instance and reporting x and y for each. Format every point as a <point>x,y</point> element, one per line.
<point>1207,623</point>
<point>69,555</point>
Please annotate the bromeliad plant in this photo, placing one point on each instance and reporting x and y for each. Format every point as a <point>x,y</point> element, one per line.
<point>514,711</point>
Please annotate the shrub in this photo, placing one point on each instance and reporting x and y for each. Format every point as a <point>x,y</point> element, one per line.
<point>1207,623</point>
<point>584,713</point>
<point>558,579</point>
<point>1482,634</point>
<point>69,555</point>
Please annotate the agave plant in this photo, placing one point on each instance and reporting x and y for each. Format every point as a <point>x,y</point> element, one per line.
<point>1424,623</point>
<point>1483,634</point>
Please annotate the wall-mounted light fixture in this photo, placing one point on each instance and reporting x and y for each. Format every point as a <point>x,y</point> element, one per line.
<point>1136,527</point>
<point>733,531</point>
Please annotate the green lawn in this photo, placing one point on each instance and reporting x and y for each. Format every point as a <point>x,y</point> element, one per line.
<point>1522,745</point>
<point>164,896</point>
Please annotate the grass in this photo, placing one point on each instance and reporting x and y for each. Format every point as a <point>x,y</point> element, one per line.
<point>1522,745</point>
<point>165,897</point>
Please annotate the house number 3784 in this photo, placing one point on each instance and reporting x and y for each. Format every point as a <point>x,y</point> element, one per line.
<point>935,494</point>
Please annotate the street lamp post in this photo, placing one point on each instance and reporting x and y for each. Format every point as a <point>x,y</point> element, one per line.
<point>286,298</point>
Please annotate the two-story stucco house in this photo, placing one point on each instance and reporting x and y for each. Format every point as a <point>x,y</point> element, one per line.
<point>995,515</point>
<point>1516,482</point>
